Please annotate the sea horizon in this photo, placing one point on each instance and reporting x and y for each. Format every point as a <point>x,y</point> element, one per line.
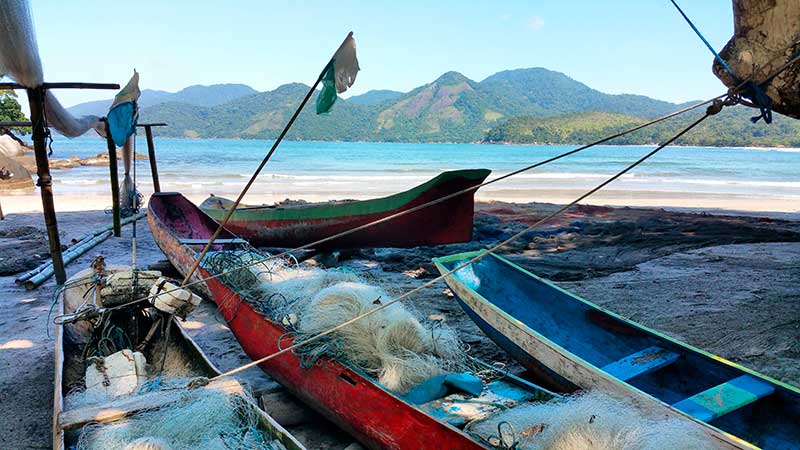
<point>727,178</point>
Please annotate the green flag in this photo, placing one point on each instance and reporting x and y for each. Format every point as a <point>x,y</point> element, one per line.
<point>339,75</point>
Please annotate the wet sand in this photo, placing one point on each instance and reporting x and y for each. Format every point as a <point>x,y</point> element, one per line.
<point>726,284</point>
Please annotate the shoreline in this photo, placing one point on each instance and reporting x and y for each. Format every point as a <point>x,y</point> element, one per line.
<point>540,144</point>
<point>787,208</point>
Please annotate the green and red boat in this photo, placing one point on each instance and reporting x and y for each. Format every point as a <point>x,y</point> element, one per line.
<point>378,417</point>
<point>292,226</point>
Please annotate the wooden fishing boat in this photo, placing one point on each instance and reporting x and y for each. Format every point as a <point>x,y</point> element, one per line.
<point>292,226</point>
<point>374,415</point>
<point>184,356</point>
<point>569,342</point>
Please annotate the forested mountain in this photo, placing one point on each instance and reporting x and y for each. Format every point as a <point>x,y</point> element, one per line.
<point>730,128</point>
<point>374,97</point>
<point>197,95</point>
<point>524,105</point>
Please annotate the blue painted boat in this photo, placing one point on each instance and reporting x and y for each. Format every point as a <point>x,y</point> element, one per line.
<point>570,343</point>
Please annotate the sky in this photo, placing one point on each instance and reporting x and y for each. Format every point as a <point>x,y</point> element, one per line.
<point>616,46</point>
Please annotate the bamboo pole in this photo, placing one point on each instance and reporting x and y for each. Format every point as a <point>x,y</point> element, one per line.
<point>112,167</point>
<point>44,181</point>
<point>76,251</point>
<point>20,280</point>
<point>263,163</point>
<point>151,155</point>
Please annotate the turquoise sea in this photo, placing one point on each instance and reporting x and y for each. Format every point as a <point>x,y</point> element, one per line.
<point>678,176</point>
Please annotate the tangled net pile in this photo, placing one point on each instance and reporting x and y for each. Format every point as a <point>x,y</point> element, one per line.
<point>391,345</point>
<point>78,396</point>
<point>591,421</point>
<point>202,420</point>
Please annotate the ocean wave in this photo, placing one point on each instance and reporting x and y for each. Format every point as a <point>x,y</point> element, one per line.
<point>720,182</point>
<point>79,181</point>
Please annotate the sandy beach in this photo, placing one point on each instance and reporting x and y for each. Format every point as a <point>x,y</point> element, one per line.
<point>725,283</point>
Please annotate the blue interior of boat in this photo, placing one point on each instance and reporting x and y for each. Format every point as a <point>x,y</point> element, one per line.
<point>749,407</point>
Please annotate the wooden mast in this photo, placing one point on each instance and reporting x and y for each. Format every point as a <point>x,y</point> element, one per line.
<point>151,152</point>
<point>44,180</point>
<point>114,176</point>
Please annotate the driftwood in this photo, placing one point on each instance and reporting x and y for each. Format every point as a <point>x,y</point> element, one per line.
<point>766,35</point>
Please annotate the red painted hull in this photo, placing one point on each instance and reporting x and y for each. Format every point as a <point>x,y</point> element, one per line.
<point>444,223</point>
<point>376,417</point>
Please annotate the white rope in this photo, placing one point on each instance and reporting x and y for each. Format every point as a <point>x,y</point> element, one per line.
<point>472,260</point>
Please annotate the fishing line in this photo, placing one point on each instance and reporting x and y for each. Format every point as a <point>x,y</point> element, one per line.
<point>713,109</point>
<point>732,94</point>
<point>289,253</point>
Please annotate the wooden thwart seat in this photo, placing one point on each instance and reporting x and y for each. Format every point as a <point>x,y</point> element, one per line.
<point>640,363</point>
<point>216,241</point>
<point>725,398</point>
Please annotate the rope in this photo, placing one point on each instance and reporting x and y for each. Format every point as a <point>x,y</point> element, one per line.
<point>289,253</point>
<point>263,163</point>
<point>753,91</point>
<point>715,108</point>
<point>733,96</point>
<point>57,293</point>
<point>703,38</point>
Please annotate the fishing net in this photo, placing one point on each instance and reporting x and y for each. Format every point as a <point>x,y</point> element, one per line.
<point>592,421</point>
<point>202,419</point>
<point>392,345</point>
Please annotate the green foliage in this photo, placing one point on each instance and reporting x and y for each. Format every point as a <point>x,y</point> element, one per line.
<point>730,128</point>
<point>374,97</point>
<point>11,111</point>
<point>522,106</point>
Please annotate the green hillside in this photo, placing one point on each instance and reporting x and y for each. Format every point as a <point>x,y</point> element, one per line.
<point>524,106</point>
<point>731,127</point>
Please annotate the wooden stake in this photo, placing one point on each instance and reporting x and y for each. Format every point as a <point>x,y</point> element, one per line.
<point>112,167</point>
<point>151,155</point>
<point>45,182</point>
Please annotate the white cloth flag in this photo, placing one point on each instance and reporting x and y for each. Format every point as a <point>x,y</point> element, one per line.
<point>19,60</point>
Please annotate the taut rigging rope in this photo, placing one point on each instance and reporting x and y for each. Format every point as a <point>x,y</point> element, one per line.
<point>442,199</point>
<point>713,109</point>
<point>732,95</point>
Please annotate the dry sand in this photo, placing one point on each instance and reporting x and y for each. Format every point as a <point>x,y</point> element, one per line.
<point>725,284</point>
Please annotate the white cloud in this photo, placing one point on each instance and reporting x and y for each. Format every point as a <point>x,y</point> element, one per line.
<point>535,23</point>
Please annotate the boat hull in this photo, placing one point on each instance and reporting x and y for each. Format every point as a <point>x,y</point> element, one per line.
<point>564,370</point>
<point>373,415</point>
<point>201,366</point>
<point>293,226</point>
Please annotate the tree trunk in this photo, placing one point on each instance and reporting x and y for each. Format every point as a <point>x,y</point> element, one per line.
<point>766,35</point>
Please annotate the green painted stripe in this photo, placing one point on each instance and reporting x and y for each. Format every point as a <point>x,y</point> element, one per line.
<point>329,211</point>
<point>720,400</point>
<point>469,255</point>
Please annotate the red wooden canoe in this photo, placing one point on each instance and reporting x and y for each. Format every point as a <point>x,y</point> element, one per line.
<point>292,226</point>
<point>374,415</point>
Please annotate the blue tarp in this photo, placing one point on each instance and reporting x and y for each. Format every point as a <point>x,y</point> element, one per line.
<point>442,385</point>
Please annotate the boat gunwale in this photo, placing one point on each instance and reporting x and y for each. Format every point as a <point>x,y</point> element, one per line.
<point>715,431</point>
<point>656,333</point>
<point>325,410</point>
<point>327,211</point>
<point>268,423</point>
